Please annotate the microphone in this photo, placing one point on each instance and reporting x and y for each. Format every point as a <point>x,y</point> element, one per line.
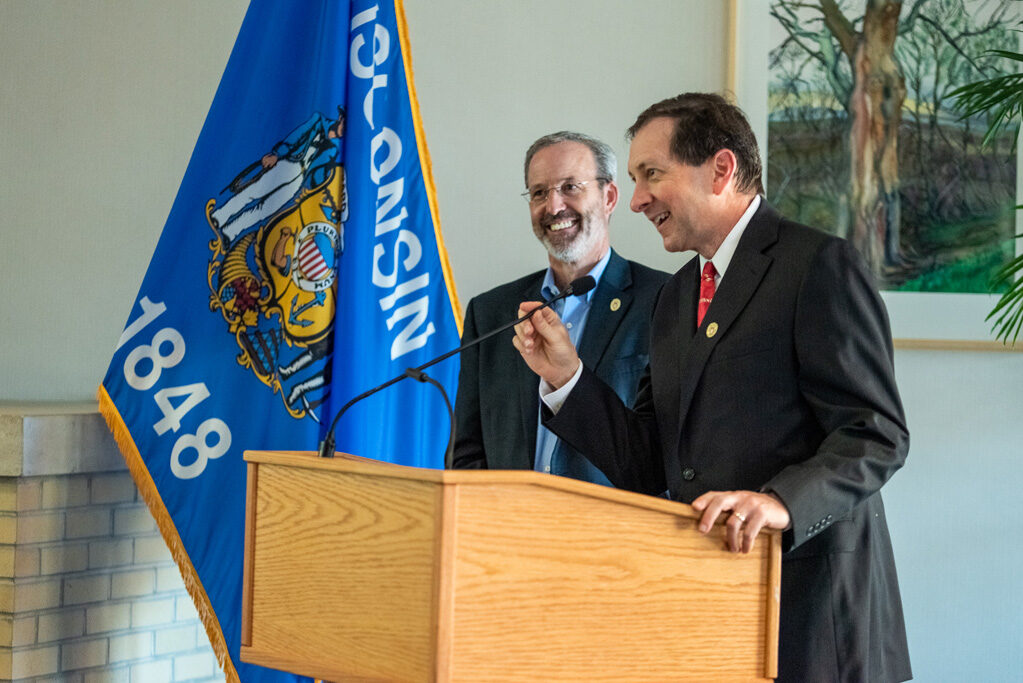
<point>577,287</point>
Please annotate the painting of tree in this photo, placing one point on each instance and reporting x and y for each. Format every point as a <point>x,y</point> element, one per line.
<point>863,138</point>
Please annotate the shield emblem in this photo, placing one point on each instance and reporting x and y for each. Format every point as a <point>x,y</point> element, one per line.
<point>298,255</point>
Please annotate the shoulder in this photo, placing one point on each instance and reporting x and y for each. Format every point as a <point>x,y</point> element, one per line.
<point>797,247</point>
<point>797,235</point>
<point>819,250</point>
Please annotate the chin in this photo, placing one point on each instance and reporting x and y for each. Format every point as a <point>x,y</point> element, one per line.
<point>572,254</point>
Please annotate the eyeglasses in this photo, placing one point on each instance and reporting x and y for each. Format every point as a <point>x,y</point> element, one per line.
<point>567,189</point>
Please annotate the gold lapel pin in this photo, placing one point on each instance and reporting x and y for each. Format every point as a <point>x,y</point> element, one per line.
<point>712,329</point>
<point>616,303</point>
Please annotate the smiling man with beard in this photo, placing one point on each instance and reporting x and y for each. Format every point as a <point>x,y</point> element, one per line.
<point>571,193</point>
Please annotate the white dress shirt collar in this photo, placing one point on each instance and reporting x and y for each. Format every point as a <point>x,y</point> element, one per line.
<point>723,256</point>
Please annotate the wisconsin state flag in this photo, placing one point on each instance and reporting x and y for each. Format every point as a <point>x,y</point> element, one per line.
<point>301,264</point>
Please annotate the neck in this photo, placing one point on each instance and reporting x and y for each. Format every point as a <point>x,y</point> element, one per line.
<point>567,271</point>
<point>729,213</point>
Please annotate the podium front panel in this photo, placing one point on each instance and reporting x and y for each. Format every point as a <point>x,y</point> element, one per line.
<point>571,587</point>
<point>346,574</point>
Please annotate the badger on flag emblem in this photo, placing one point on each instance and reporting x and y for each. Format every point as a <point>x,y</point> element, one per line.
<point>273,269</point>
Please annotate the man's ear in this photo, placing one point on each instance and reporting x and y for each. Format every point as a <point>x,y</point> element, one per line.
<point>610,196</point>
<point>725,166</point>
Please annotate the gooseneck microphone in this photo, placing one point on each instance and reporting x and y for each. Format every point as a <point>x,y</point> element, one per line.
<point>577,287</point>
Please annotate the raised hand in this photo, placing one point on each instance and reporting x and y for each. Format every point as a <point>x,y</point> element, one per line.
<point>545,345</point>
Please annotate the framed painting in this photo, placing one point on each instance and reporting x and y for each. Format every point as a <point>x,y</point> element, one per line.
<point>851,101</point>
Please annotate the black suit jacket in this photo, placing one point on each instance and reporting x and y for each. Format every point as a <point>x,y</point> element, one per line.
<point>793,393</point>
<point>497,404</point>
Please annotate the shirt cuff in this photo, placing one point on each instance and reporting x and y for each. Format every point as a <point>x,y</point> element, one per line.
<point>555,398</point>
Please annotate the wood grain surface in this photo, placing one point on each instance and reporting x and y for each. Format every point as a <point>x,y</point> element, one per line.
<point>345,573</point>
<point>364,571</point>
<point>569,588</point>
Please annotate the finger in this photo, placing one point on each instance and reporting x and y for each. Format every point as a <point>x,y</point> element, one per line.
<point>528,306</point>
<point>519,345</point>
<point>525,333</point>
<point>754,523</point>
<point>521,342</point>
<point>733,531</point>
<point>716,504</point>
<point>525,308</point>
<point>546,323</point>
<point>700,504</point>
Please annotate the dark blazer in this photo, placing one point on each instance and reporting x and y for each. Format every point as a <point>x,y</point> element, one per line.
<point>496,407</point>
<point>795,394</point>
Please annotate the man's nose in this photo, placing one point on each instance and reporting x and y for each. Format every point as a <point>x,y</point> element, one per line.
<point>640,198</point>
<point>555,202</point>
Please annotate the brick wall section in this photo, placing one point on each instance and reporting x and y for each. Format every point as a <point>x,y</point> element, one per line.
<point>88,589</point>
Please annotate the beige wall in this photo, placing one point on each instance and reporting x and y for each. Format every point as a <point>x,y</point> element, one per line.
<point>101,103</point>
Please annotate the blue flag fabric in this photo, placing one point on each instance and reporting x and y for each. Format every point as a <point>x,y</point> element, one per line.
<point>301,264</point>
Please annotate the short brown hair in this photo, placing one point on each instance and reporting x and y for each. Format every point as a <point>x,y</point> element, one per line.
<point>706,123</point>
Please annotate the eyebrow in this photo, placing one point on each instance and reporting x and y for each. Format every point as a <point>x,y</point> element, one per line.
<point>639,167</point>
<point>566,179</point>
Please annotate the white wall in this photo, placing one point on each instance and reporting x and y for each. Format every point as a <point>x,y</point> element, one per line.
<point>953,513</point>
<point>492,77</point>
<point>100,104</point>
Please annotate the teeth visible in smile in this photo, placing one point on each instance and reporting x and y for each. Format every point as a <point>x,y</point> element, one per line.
<point>660,218</point>
<point>561,225</point>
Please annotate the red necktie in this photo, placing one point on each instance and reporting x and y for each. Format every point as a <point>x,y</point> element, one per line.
<point>706,291</point>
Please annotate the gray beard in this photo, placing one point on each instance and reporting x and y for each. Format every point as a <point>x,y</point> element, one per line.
<point>573,252</point>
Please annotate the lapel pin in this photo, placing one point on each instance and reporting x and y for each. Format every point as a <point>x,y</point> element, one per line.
<point>712,329</point>
<point>616,303</point>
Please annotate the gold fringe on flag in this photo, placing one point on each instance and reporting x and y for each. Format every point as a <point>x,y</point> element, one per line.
<point>151,496</point>
<point>425,163</point>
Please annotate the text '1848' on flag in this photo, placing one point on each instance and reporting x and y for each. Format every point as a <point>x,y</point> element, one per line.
<point>301,264</point>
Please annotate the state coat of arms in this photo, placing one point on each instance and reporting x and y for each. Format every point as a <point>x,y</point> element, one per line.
<point>279,235</point>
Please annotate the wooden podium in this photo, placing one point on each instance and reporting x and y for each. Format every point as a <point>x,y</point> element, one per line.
<point>357,570</point>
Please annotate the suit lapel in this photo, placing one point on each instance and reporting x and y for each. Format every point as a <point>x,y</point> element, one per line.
<point>528,382</point>
<point>748,266</point>
<point>604,319</point>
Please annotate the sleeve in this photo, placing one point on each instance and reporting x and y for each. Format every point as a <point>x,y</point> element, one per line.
<point>553,398</point>
<point>622,443</point>
<point>846,375</point>
<point>469,452</point>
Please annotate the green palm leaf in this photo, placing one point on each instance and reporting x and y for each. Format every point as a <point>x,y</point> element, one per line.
<point>1001,98</point>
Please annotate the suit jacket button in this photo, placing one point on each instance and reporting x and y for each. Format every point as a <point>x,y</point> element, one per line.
<point>688,474</point>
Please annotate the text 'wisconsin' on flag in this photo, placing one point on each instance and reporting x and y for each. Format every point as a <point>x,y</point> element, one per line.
<point>301,264</point>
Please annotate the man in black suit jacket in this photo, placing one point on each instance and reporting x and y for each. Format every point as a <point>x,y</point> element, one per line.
<point>571,190</point>
<point>778,409</point>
